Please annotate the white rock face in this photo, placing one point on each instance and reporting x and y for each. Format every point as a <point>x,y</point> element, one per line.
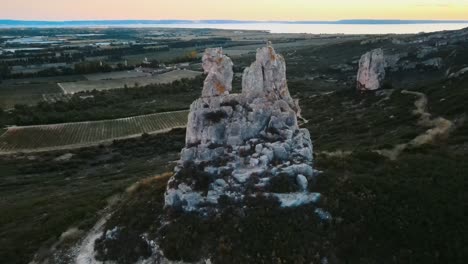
<point>220,74</point>
<point>266,77</point>
<point>236,143</point>
<point>371,71</point>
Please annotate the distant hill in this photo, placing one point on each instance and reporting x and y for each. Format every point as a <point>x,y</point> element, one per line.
<point>72,23</point>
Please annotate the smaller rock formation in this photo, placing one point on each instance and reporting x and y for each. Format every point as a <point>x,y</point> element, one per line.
<point>371,71</point>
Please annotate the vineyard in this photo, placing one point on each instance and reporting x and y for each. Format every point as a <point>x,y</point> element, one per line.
<point>72,135</point>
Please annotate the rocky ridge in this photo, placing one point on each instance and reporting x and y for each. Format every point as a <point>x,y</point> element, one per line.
<point>237,145</point>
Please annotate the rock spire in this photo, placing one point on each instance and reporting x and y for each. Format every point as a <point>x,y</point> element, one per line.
<point>238,145</point>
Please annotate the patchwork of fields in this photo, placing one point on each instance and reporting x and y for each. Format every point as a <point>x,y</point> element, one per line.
<point>72,135</point>
<point>168,77</point>
<point>30,91</point>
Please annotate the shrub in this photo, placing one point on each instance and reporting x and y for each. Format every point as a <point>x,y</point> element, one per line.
<point>215,116</point>
<point>283,183</point>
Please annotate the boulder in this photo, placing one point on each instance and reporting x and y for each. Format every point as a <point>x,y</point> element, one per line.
<point>371,71</point>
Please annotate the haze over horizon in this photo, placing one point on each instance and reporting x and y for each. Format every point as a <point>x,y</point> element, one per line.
<point>261,10</point>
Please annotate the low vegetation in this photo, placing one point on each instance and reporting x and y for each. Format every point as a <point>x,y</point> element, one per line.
<point>110,104</point>
<point>408,210</point>
<point>43,195</point>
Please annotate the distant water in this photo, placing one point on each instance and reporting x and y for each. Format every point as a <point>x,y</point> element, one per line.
<point>322,28</point>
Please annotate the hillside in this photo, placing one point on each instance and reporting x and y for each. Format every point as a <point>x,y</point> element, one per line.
<point>393,162</point>
<point>393,183</point>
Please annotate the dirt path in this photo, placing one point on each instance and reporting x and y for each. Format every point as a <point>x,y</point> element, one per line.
<point>438,127</point>
<point>85,252</point>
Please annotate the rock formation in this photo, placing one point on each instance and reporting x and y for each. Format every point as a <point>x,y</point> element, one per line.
<point>238,144</point>
<point>371,71</point>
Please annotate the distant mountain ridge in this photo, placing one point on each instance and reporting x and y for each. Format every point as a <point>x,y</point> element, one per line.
<point>39,23</point>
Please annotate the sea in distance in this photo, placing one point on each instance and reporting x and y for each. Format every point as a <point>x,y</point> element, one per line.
<point>323,28</point>
<point>273,27</point>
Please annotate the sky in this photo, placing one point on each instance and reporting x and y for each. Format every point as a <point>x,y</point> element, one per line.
<point>287,10</point>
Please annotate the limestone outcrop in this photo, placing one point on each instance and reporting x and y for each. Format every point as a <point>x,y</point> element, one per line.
<point>238,145</point>
<point>371,72</point>
<point>218,67</point>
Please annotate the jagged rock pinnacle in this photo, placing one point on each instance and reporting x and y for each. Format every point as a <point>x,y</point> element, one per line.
<point>267,77</point>
<point>220,74</point>
<point>237,143</point>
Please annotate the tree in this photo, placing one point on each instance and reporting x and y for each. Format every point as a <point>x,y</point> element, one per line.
<point>4,71</point>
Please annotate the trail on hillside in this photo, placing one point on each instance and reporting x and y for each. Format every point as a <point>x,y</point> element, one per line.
<point>85,252</point>
<point>438,127</point>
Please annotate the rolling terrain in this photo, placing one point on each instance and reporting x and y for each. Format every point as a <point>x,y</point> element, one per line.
<point>390,204</point>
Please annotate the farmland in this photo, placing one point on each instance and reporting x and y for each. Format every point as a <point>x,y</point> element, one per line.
<point>29,91</point>
<point>115,75</point>
<point>72,135</point>
<point>24,93</point>
<point>100,85</point>
<point>160,55</point>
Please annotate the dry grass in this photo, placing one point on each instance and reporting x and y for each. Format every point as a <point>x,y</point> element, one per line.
<point>147,182</point>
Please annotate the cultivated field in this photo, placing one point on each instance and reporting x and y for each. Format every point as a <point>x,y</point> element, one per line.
<point>74,87</point>
<point>115,75</point>
<point>43,80</point>
<point>72,135</point>
<point>24,93</point>
<point>280,45</point>
<point>163,56</point>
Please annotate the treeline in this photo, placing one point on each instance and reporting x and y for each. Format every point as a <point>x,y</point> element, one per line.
<point>79,68</point>
<point>5,71</point>
<point>23,59</point>
<point>196,43</point>
<point>110,104</point>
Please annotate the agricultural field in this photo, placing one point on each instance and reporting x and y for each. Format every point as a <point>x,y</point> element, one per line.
<point>44,80</point>
<point>159,55</point>
<point>115,75</point>
<point>27,94</point>
<point>72,135</point>
<point>280,45</point>
<point>100,85</point>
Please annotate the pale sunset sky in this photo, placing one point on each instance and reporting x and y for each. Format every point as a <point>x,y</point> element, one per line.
<point>233,9</point>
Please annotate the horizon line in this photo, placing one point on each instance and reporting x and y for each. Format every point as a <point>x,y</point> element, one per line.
<point>227,21</point>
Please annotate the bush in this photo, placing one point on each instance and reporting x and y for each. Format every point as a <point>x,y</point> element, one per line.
<point>215,116</point>
<point>283,183</point>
